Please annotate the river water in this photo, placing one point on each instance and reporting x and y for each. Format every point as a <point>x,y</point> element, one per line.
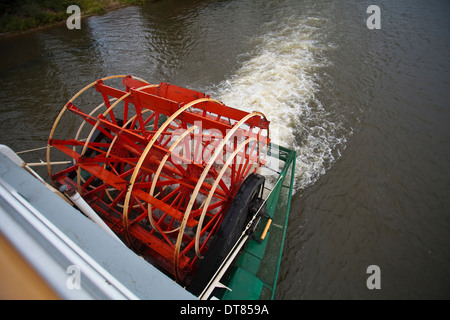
<point>368,112</point>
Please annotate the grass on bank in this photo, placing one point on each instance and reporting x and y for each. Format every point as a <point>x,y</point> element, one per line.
<point>22,15</point>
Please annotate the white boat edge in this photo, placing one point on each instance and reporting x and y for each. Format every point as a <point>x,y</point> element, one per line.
<point>72,254</point>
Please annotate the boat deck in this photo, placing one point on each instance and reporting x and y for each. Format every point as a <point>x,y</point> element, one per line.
<point>57,241</point>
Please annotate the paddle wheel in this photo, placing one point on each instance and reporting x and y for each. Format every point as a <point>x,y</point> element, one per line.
<point>163,166</point>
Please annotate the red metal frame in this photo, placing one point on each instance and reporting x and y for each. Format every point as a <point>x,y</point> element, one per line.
<point>103,177</point>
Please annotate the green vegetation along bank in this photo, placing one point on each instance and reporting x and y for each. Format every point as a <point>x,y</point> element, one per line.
<point>22,15</point>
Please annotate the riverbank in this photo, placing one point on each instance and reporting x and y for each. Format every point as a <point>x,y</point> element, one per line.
<point>20,16</point>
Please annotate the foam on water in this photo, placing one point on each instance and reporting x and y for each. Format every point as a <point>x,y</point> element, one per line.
<point>280,80</point>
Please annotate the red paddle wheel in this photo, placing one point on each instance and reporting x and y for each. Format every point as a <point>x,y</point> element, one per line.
<point>159,164</point>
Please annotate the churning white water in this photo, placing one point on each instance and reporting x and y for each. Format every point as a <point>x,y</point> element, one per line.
<point>280,80</point>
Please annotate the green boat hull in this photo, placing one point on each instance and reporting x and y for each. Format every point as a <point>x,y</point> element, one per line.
<point>254,274</point>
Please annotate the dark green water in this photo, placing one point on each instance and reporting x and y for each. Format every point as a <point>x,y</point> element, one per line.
<point>367,111</point>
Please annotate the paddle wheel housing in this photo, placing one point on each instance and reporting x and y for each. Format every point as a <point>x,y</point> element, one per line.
<point>159,164</point>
